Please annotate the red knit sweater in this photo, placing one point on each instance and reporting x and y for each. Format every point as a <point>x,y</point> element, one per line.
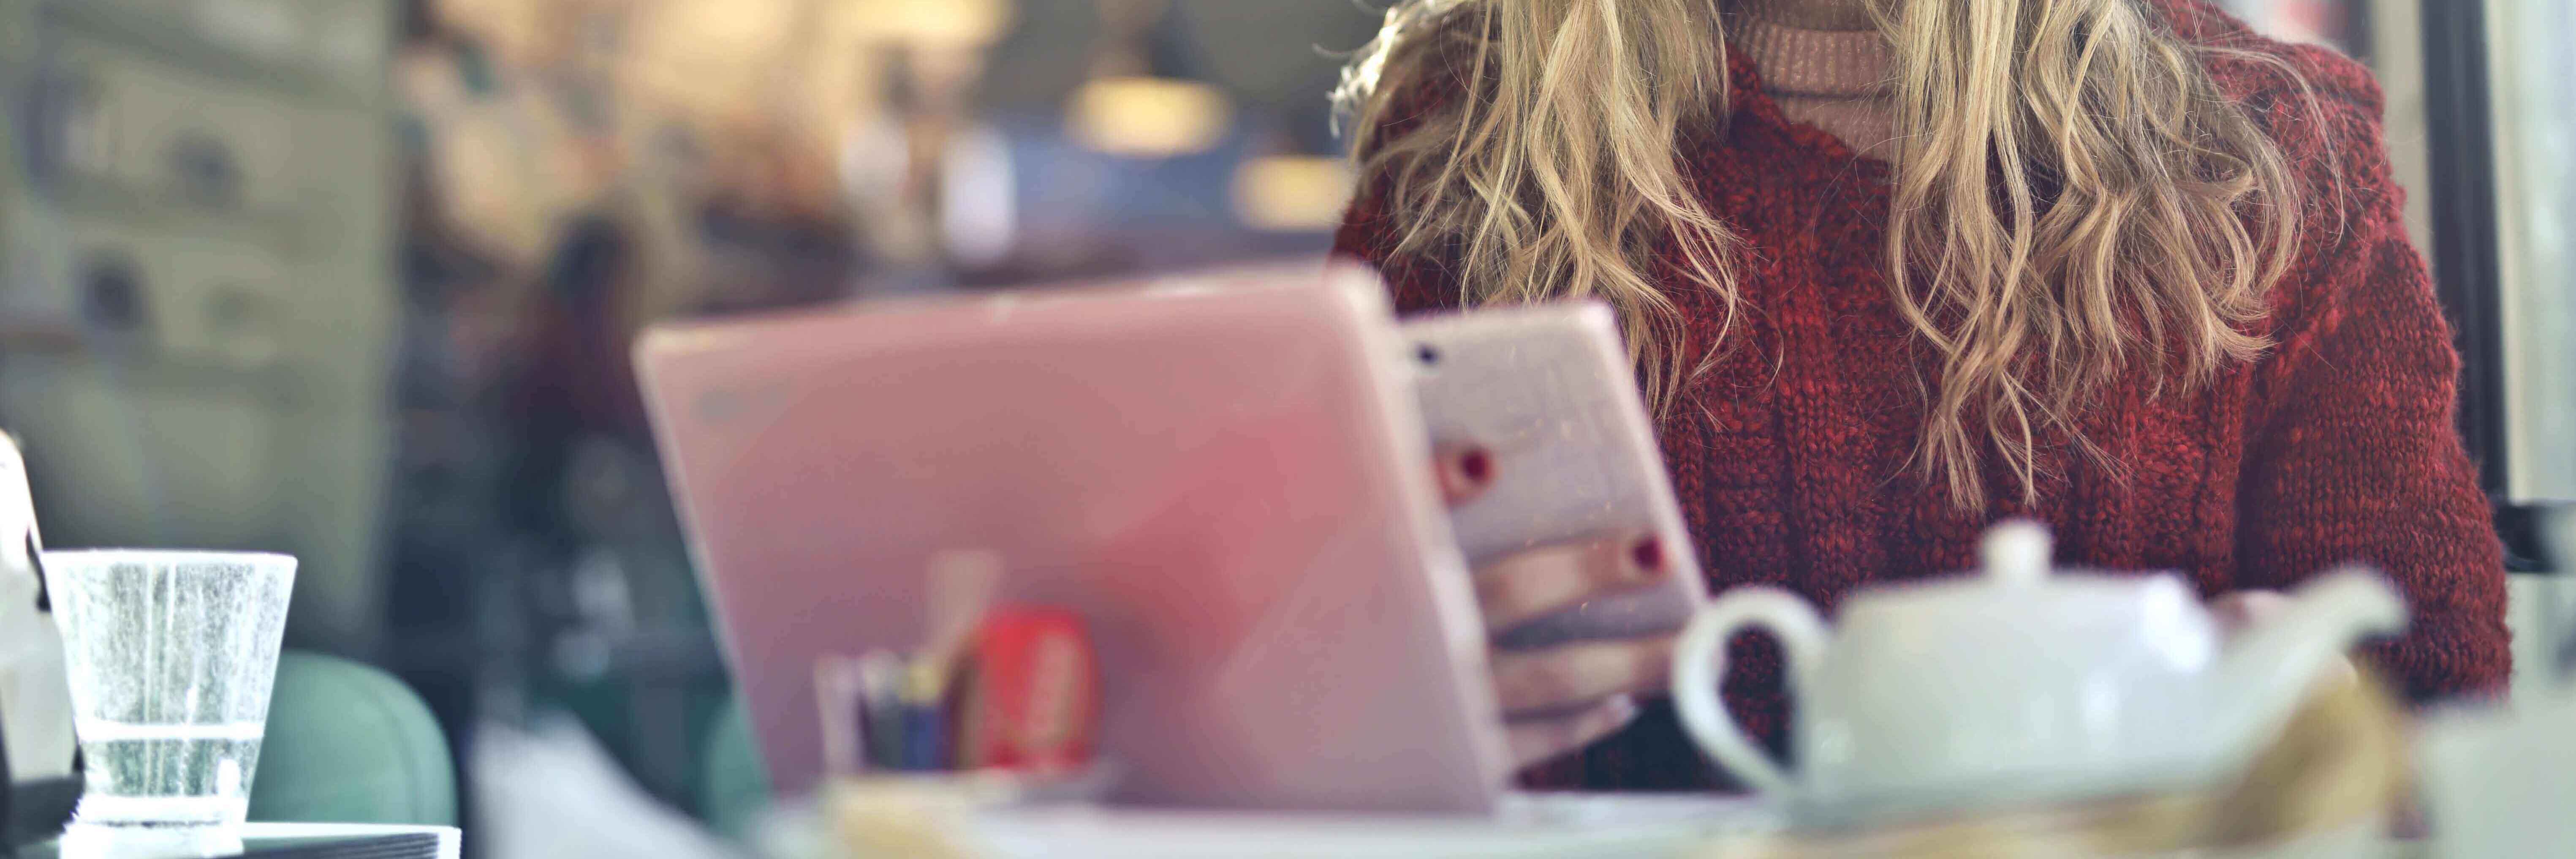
<point>2339,445</point>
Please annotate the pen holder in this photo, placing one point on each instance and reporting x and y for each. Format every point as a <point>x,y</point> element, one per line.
<point>1020,692</point>
<point>918,747</point>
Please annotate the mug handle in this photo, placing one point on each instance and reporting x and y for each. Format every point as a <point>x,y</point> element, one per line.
<point>1700,666</point>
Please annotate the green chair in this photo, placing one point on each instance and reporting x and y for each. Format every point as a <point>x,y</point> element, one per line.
<point>733,785</point>
<point>348,743</point>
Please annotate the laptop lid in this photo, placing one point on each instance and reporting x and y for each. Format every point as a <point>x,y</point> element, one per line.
<point>1223,474</point>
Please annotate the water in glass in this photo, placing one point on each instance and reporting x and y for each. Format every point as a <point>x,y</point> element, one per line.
<point>172,656</point>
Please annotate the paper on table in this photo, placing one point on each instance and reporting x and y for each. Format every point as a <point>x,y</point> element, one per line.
<point>549,790</point>
<point>35,694</point>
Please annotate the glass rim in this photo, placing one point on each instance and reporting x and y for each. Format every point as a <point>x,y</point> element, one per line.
<point>170,557</point>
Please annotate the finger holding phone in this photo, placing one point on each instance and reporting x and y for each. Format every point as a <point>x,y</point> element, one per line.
<point>1560,698</point>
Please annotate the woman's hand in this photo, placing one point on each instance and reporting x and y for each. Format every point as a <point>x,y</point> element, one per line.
<point>2244,610</point>
<point>1561,699</point>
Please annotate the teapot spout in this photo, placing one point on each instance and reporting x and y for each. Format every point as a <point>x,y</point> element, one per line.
<point>2270,671</point>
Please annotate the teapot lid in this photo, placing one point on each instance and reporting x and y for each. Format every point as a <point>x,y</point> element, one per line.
<point>2016,553</point>
<point>2018,574</point>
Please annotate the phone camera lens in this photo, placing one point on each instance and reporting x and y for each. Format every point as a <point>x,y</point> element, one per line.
<point>1429,356</point>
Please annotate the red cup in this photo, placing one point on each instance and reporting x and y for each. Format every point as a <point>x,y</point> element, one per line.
<point>1031,699</point>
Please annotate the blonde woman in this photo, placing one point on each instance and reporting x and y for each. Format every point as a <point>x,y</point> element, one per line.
<point>1894,269</point>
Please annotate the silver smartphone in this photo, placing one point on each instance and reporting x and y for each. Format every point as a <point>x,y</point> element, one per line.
<point>1550,390</point>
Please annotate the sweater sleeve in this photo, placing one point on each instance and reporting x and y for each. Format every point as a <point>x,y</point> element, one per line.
<point>2354,454</point>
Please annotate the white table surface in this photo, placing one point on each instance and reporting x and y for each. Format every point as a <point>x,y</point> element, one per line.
<point>269,835</point>
<point>1104,833</point>
<point>1555,826</point>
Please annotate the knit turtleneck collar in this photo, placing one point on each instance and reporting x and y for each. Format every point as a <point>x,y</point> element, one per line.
<point>1809,14</point>
<point>1833,79</point>
<point>1815,63</point>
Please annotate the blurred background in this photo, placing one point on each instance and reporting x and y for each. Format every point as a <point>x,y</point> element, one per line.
<point>355,279</point>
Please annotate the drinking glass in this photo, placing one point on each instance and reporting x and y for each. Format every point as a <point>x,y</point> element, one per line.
<point>171,658</point>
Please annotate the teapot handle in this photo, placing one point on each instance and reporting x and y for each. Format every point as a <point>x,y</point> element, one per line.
<point>1700,667</point>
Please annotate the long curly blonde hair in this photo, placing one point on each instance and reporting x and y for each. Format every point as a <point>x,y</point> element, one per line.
<point>2074,197</point>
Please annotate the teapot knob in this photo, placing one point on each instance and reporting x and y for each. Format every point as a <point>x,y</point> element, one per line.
<point>2017,553</point>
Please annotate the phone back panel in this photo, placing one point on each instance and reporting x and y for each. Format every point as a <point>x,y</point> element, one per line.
<point>1551,391</point>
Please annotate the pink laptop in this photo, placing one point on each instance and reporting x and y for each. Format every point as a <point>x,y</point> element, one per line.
<point>1224,474</point>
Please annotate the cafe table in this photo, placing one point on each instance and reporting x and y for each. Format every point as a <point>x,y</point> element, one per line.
<point>1094,833</point>
<point>299,840</point>
<point>1548,828</point>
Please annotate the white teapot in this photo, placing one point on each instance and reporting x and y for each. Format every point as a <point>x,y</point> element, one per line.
<point>2016,686</point>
